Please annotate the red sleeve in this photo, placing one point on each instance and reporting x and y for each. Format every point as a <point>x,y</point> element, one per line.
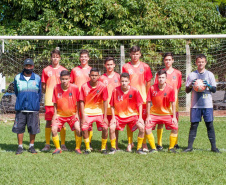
<point>112,99</point>
<point>148,74</point>
<point>105,94</point>
<point>77,93</point>
<point>149,94</point>
<point>81,95</point>
<point>43,80</point>
<point>72,76</point>
<point>54,95</point>
<point>179,81</point>
<point>139,98</point>
<point>123,69</point>
<point>172,96</point>
<point>156,79</point>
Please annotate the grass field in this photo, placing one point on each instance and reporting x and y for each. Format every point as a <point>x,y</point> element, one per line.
<point>198,167</point>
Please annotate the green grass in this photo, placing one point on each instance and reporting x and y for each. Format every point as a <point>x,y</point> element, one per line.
<point>198,167</point>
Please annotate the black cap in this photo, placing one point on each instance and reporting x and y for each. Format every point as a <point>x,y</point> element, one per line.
<point>28,61</point>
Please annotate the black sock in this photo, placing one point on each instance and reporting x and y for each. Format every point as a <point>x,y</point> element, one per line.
<point>211,134</point>
<point>192,134</point>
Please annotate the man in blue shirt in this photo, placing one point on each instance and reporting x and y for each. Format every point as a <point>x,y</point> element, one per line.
<point>27,87</point>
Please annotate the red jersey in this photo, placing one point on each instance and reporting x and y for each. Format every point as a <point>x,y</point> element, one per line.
<point>175,80</point>
<point>66,101</point>
<point>51,77</point>
<point>111,84</point>
<point>93,98</point>
<point>161,100</point>
<point>139,76</point>
<point>126,105</point>
<point>80,75</point>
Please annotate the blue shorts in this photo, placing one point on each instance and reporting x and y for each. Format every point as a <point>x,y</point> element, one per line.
<point>197,113</point>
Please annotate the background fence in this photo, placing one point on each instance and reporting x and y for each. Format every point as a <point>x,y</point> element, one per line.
<point>14,52</point>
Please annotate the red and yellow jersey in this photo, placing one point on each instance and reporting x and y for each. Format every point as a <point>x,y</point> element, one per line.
<point>93,98</point>
<point>66,101</point>
<point>51,77</point>
<point>80,75</point>
<point>126,105</point>
<point>161,100</point>
<point>111,84</point>
<point>175,80</point>
<point>139,76</point>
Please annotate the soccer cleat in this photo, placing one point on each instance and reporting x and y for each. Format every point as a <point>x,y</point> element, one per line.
<point>64,148</point>
<point>188,150</point>
<point>78,151</point>
<point>172,150</point>
<point>176,146</point>
<point>159,148</point>
<point>32,150</point>
<point>87,152</point>
<point>112,151</point>
<point>145,150</point>
<point>57,151</point>
<point>153,151</point>
<point>19,150</point>
<point>140,151</point>
<point>216,150</point>
<point>46,148</point>
<point>104,152</point>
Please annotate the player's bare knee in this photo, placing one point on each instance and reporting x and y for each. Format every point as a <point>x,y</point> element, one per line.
<point>48,123</point>
<point>174,131</point>
<point>54,131</point>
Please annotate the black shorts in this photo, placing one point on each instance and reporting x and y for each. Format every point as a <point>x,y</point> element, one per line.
<point>31,119</point>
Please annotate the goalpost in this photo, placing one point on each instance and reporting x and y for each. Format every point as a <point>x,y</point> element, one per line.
<point>14,49</point>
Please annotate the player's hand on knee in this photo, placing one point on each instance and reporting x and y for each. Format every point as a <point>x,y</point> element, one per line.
<point>141,121</point>
<point>148,120</point>
<point>174,121</point>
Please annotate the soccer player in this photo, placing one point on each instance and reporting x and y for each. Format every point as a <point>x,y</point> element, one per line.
<point>93,105</point>
<point>66,100</point>
<point>80,75</point>
<point>27,87</point>
<point>174,78</point>
<point>111,79</point>
<point>140,78</point>
<point>201,103</point>
<point>126,105</point>
<point>51,77</point>
<point>162,111</point>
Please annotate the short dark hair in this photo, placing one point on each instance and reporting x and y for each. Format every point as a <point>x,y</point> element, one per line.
<point>162,71</point>
<point>134,49</point>
<point>55,51</point>
<point>84,51</point>
<point>124,75</point>
<point>108,59</point>
<point>95,70</point>
<point>200,56</point>
<point>64,73</point>
<point>168,54</point>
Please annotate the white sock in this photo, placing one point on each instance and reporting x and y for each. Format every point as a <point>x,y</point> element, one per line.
<point>31,145</point>
<point>20,146</point>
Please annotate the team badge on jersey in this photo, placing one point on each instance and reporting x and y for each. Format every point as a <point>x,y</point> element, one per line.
<point>141,70</point>
<point>174,78</point>
<point>49,73</point>
<point>130,96</point>
<point>70,94</point>
<point>120,98</point>
<point>98,91</point>
<point>59,95</point>
<point>116,81</point>
<point>165,94</point>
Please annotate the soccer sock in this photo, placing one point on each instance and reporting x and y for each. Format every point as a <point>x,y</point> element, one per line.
<point>151,140</point>
<point>103,145</point>
<point>145,139</point>
<point>139,142</point>
<point>113,143</point>
<point>30,145</point>
<point>177,137</point>
<point>90,135</point>
<point>20,146</point>
<point>159,136</point>
<point>86,141</point>
<point>56,142</point>
<point>78,142</point>
<point>63,135</point>
<point>211,134</point>
<point>173,138</point>
<point>47,135</point>
<point>192,134</point>
<point>129,135</point>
